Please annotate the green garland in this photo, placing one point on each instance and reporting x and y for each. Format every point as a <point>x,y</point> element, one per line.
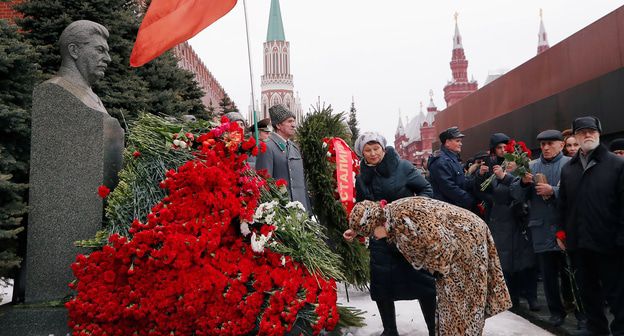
<point>321,123</point>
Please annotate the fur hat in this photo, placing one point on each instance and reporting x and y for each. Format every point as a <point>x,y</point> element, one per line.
<point>367,137</point>
<point>279,113</point>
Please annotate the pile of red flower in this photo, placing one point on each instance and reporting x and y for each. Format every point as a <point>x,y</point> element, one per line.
<point>189,271</point>
<point>516,152</point>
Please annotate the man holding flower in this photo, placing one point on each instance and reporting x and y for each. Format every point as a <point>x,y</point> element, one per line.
<point>540,188</point>
<point>512,241</point>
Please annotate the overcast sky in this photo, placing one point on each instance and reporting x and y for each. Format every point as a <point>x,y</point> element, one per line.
<point>386,54</point>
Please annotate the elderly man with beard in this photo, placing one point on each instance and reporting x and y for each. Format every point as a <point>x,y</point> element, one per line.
<point>591,205</point>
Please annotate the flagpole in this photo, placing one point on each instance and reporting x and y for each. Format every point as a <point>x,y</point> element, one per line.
<point>251,77</point>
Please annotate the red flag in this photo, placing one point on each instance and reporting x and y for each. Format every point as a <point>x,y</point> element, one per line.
<point>168,23</point>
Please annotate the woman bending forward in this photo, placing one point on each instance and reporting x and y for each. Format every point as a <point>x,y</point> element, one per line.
<point>453,244</point>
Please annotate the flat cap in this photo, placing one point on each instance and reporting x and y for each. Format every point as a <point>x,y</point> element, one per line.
<point>451,133</point>
<point>550,135</point>
<point>586,122</point>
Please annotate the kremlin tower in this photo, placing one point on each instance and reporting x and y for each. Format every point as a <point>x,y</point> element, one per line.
<point>459,87</point>
<point>542,38</point>
<point>277,81</point>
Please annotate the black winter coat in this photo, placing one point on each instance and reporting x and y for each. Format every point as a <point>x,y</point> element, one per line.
<point>591,201</point>
<point>512,238</point>
<point>392,277</point>
<point>449,181</point>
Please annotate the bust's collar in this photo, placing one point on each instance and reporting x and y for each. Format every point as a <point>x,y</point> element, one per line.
<point>85,95</point>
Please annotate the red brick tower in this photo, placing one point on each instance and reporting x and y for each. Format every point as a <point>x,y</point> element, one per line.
<point>542,37</point>
<point>459,87</point>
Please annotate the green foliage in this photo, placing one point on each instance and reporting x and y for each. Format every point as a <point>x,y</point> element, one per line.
<point>157,87</point>
<point>319,124</point>
<point>17,77</point>
<point>353,125</point>
<point>227,105</point>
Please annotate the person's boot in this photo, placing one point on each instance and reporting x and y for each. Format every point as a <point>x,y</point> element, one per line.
<point>556,320</point>
<point>388,318</point>
<point>533,305</point>
<point>428,308</point>
<point>581,324</point>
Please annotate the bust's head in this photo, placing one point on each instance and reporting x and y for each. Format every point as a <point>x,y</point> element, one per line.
<point>84,50</point>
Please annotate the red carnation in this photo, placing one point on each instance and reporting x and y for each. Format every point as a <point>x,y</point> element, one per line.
<point>103,191</point>
<point>136,154</point>
<point>109,276</point>
<point>281,182</point>
<point>561,235</point>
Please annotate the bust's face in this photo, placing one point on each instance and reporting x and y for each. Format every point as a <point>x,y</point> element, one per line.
<point>92,59</point>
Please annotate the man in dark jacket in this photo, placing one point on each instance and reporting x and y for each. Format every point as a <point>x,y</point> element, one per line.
<point>385,176</point>
<point>447,175</point>
<point>512,239</point>
<point>591,202</point>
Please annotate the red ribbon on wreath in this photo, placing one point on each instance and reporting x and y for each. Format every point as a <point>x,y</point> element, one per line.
<point>347,163</point>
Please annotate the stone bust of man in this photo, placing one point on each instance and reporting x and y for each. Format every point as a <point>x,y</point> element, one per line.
<point>84,58</point>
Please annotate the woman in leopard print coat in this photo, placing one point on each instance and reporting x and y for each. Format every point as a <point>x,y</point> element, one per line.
<point>453,244</point>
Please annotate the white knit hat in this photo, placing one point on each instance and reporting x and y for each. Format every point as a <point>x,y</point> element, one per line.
<point>368,137</point>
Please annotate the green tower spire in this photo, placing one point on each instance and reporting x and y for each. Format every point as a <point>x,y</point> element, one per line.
<point>276,28</point>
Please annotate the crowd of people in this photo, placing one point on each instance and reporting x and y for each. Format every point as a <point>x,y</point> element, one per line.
<point>564,217</point>
<point>562,221</point>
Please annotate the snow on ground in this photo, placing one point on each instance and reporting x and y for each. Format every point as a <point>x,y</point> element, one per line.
<point>410,320</point>
<point>6,290</point>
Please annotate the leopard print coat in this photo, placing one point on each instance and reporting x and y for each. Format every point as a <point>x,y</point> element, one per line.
<point>452,243</point>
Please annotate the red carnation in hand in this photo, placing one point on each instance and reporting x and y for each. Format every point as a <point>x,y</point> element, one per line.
<point>281,182</point>
<point>103,191</point>
<point>561,235</point>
